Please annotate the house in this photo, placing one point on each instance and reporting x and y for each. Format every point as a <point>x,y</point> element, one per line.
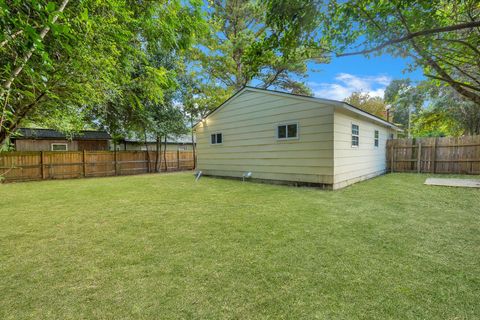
<point>287,138</point>
<point>174,143</point>
<point>28,139</point>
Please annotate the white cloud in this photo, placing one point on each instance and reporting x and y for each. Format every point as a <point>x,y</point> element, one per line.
<point>346,83</point>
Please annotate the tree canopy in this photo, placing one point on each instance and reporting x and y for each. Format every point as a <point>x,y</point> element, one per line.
<point>373,105</point>
<point>62,60</point>
<point>441,36</point>
<point>247,46</point>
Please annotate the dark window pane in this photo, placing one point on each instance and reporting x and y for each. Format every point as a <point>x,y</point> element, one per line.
<point>59,147</point>
<point>282,132</point>
<point>292,131</point>
<point>355,141</point>
<point>219,138</point>
<point>376,142</point>
<point>213,139</point>
<point>355,129</point>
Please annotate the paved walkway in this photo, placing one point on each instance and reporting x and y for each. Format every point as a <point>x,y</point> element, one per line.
<point>468,183</point>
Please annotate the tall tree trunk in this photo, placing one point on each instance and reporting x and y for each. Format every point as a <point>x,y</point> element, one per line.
<point>157,154</point>
<point>148,153</point>
<point>160,153</point>
<point>165,153</point>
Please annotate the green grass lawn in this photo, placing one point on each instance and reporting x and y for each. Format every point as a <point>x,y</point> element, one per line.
<point>164,247</point>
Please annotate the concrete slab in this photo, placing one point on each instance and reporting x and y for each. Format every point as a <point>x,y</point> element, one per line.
<point>467,183</point>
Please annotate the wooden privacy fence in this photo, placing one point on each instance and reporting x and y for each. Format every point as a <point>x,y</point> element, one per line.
<point>434,155</point>
<point>24,166</point>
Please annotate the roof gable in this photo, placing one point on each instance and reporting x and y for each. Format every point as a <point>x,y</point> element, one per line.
<point>339,104</point>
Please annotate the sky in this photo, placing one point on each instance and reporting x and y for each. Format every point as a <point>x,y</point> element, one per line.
<point>342,76</point>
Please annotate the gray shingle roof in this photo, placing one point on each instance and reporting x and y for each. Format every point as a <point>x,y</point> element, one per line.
<point>30,133</point>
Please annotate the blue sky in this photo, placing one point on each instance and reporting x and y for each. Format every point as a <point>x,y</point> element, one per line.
<point>338,79</point>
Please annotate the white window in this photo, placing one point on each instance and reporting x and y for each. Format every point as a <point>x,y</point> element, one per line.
<point>355,135</point>
<point>287,131</point>
<point>59,147</point>
<point>376,138</point>
<point>216,138</point>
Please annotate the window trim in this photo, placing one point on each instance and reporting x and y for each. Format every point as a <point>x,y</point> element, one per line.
<point>354,135</point>
<point>58,144</point>
<point>286,124</point>
<point>216,143</point>
<point>376,138</point>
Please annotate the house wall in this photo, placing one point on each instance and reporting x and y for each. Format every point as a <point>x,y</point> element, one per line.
<point>42,145</point>
<point>353,164</point>
<point>248,124</point>
<point>72,145</point>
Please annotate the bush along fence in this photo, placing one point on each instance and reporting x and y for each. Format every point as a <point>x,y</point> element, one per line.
<point>434,155</point>
<point>25,166</point>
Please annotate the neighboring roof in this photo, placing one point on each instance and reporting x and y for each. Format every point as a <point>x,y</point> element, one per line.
<point>43,134</point>
<point>340,104</point>
<point>179,139</point>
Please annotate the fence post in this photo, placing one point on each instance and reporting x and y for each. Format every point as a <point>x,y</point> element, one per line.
<point>434,156</point>
<point>419,158</point>
<point>42,155</point>
<point>84,161</point>
<point>178,159</point>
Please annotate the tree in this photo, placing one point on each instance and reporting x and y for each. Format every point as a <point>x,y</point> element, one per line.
<point>86,64</point>
<point>441,36</point>
<point>26,82</point>
<point>198,98</point>
<point>448,113</point>
<point>404,99</point>
<point>435,111</point>
<point>432,122</point>
<point>373,105</point>
<point>166,120</point>
<point>51,12</point>
<point>243,48</point>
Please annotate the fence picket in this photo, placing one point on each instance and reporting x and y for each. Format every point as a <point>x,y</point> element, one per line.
<point>435,155</point>
<point>23,166</point>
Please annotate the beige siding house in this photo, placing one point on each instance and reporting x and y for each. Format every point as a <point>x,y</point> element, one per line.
<point>280,137</point>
